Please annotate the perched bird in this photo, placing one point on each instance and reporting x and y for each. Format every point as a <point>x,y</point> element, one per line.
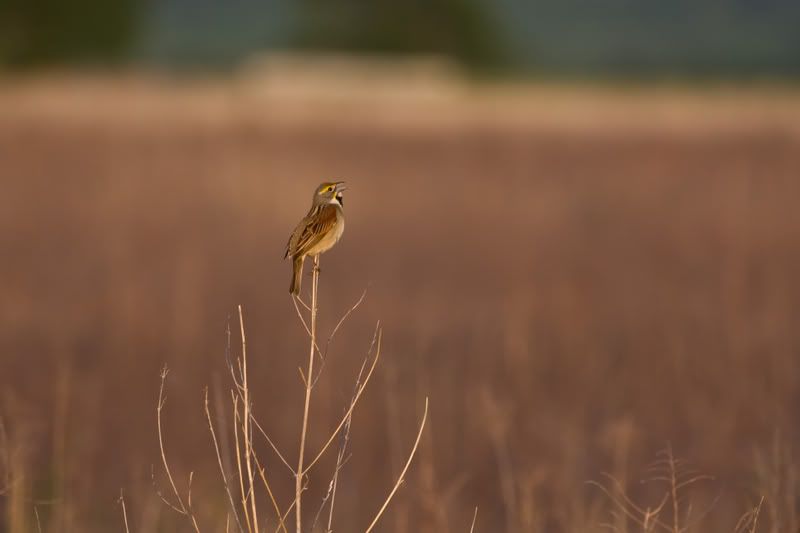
<point>319,230</point>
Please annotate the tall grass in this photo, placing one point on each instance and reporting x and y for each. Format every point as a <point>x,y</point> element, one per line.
<point>244,510</point>
<point>574,277</point>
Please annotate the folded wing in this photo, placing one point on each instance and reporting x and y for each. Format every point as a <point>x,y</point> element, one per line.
<point>311,230</point>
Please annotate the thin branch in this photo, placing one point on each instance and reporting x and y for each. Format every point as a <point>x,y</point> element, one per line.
<point>300,299</point>
<point>646,515</point>
<point>246,425</point>
<point>285,516</point>
<point>694,480</point>
<point>340,457</point>
<point>5,459</point>
<point>181,507</point>
<point>401,478</point>
<point>38,522</point>
<point>644,512</point>
<point>342,422</point>
<point>674,489</point>
<point>219,462</point>
<point>160,495</point>
<point>324,356</point>
<point>344,317</point>
<point>340,460</point>
<point>298,486</point>
<point>242,486</point>
<point>161,400</point>
<point>749,521</point>
<point>272,445</point>
<point>305,324</point>
<point>707,511</point>
<point>474,518</point>
<point>269,492</point>
<point>121,501</point>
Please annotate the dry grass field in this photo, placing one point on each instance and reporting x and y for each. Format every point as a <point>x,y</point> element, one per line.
<point>578,279</point>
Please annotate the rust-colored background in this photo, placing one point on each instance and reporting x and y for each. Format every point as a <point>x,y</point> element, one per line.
<point>576,278</point>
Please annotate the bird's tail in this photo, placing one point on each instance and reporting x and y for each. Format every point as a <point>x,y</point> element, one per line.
<point>297,275</point>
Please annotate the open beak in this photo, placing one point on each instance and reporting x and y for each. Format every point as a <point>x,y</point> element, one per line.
<point>338,194</point>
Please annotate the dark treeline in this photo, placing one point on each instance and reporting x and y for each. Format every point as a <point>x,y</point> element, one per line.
<point>738,38</point>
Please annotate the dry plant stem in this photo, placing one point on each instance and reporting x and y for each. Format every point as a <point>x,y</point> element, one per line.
<point>673,483</point>
<point>222,447</point>
<point>401,478</point>
<point>263,477</point>
<point>340,457</point>
<point>330,495</point>
<point>272,445</point>
<point>756,512</point>
<point>342,320</point>
<point>5,459</point>
<point>324,356</point>
<point>222,427</point>
<point>303,321</point>
<point>236,418</point>
<point>647,519</point>
<point>678,478</point>
<point>298,486</point>
<point>376,338</point>
<point>124,511</point>
<point>247,427</point>
<point>749,521</point>
<point>474,518</point>
<point>219,462</point>
<point>180,507</point>
<point>284,516</point>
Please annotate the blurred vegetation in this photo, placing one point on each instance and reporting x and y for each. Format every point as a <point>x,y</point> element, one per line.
<point>46,32</point>
<point>583,38</point>
<point>687,38</point>
<point>462,29</point>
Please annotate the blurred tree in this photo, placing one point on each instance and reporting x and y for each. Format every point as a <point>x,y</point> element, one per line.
<point>462,29</point>
<point>50,32</point>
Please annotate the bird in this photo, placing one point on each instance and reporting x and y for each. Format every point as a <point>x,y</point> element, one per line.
<point>319,230</point>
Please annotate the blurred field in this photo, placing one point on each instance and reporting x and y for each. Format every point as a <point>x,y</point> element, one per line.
<point>574,276</point>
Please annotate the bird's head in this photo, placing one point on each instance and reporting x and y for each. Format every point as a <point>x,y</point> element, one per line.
<point>329,192</point>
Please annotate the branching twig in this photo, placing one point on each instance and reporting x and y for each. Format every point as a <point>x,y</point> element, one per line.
<point>219,461</point>
<point>324,356</point>
<point>401,478</point>
<point>340,459</point>
<point>298,476</point>
<point>295,299</point>
<point>236,417</point>
<point>5,459</point>
<point>248,467</point>
<point>272,445</point>
<point>749,521</point>
<point>247,429</point>
<point>263,477</point>
<point>38,521</point>
<point>180,507</point>
<point>355,399</point>
<point>121,501</point>
<point>677,477</point>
